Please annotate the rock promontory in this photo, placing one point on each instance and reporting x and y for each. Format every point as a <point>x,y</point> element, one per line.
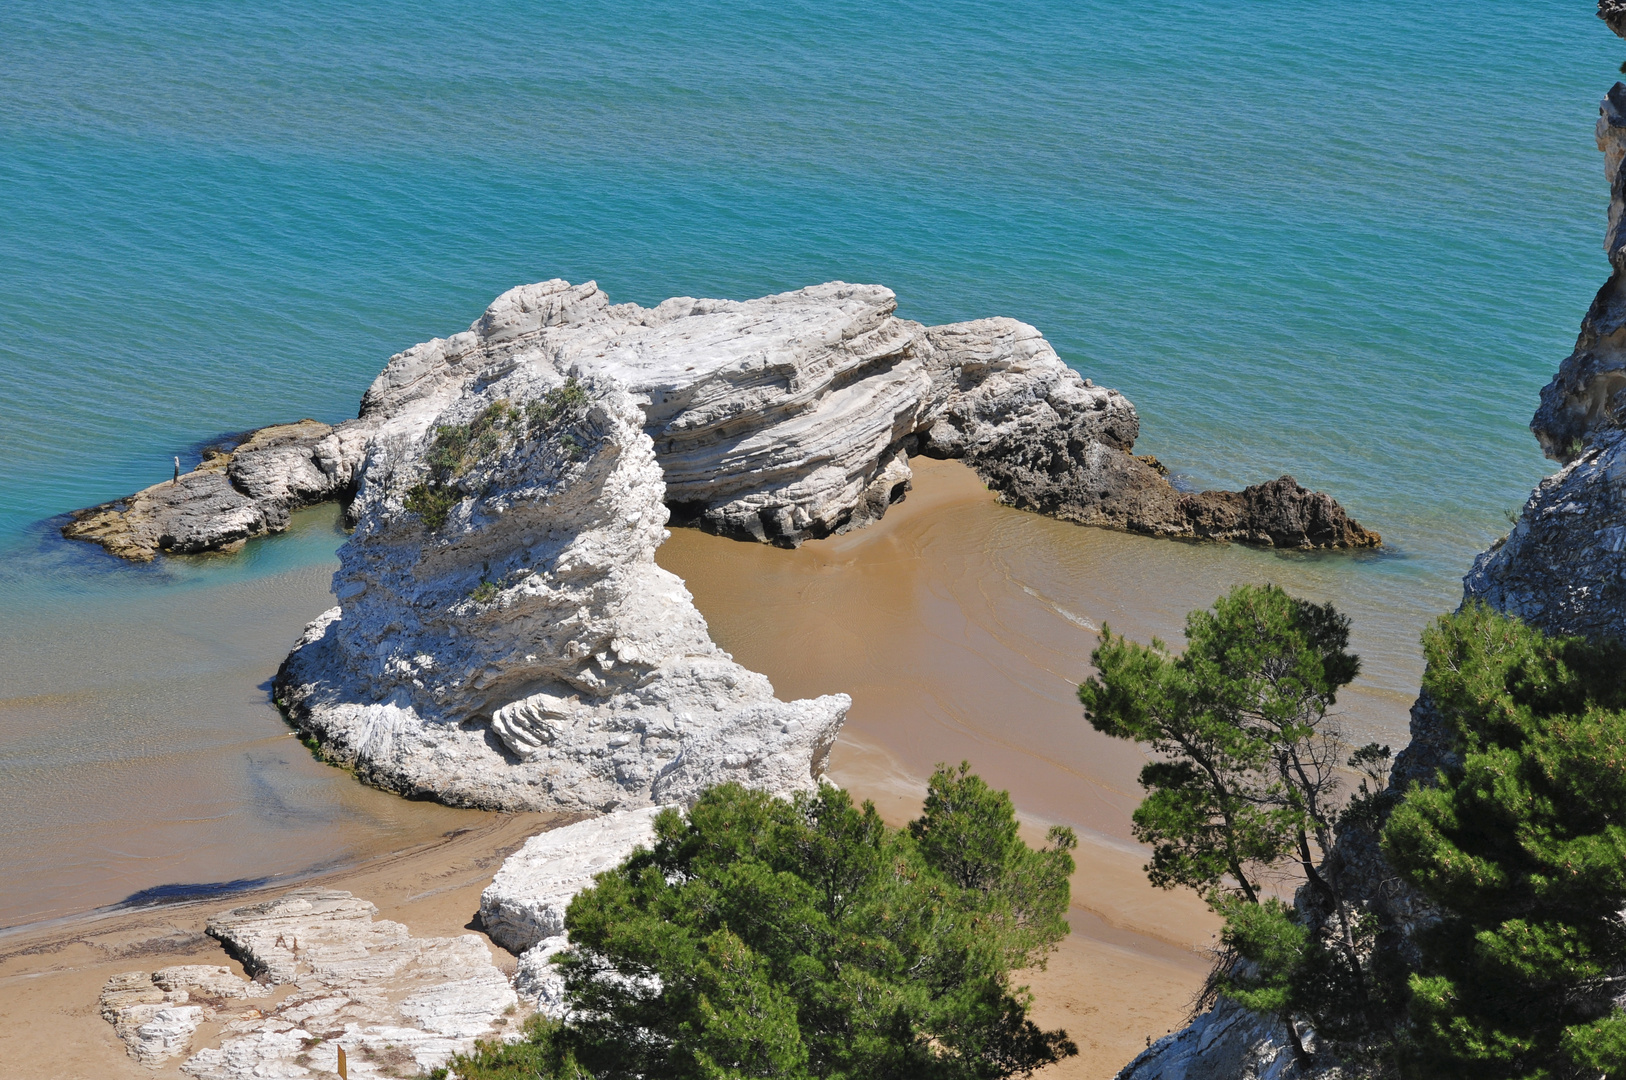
<point>780,419</point>
<point>504,637</point>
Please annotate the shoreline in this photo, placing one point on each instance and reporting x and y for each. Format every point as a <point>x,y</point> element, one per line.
<point>933,619</point>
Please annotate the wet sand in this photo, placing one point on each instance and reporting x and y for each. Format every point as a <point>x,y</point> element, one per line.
<point>50,976</point>
<point>139,748</point>
<point>959,627</point>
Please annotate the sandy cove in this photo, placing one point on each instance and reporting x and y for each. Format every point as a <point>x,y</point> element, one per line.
<point>946,653</point>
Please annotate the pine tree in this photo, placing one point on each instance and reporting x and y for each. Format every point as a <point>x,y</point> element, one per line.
<point>1523,846</point>
<point>770,938</point>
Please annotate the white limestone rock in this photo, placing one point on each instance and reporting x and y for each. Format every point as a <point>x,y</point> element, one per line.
<point>523,909</point>
<point>397,1004</point>
<point>528,653</point>
<point>155,1015</point>
<point>525,903</point>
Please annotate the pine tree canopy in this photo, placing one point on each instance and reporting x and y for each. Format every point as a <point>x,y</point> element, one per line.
<point>772,938</point>
<point>1523,845</point>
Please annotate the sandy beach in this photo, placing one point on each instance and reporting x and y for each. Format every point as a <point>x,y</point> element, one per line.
<point>959,627</point>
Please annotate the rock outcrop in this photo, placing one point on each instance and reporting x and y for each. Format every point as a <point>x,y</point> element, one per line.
<point>155,1015</point>
<point>241,489</point>
<point>1226,1043</point>
<point>780,419</point>
<point>504,637</point>
<point>1563,567</point>
<point>523,909</point>
<point>397,1005</point>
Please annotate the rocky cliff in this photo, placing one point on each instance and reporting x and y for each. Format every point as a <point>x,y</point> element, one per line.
<point>780,419</point>
<point>1562,568</point>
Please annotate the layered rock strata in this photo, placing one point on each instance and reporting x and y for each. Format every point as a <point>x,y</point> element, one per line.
<point>511,643</point>
<point>397,1005</point>
<point>156,1014</point>
<point>780,419</point>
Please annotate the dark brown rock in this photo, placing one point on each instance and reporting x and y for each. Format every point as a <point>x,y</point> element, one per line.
<point>235,493</point>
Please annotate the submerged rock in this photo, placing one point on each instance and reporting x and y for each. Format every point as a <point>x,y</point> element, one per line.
<point>780,419</point>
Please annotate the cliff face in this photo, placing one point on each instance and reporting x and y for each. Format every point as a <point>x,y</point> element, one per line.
<point>1562,568</point>
<point>780,419</point>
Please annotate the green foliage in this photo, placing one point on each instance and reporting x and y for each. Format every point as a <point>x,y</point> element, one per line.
<point>1245,779</point>
<point>772,938</point>
<point>484,593</point>
<point>1245,771</point>
<point>432,502</point>
<point>567,401</point>
<point>458,448</point>
<point>540,1055</point>
<point>1272,942</point>
<point>1524,847</point>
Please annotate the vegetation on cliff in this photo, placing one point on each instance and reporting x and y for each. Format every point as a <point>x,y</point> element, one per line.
<point>772,938</point>
<point>458,448</point>
<point>1523,847</point>
<point>1519,844</point>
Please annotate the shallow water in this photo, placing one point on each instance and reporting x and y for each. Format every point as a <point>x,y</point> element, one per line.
<point>139,749</point>
<point>1350,243</point>
<point>962,628</point>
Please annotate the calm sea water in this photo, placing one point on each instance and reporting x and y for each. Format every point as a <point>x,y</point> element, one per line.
<point>1348,242</point>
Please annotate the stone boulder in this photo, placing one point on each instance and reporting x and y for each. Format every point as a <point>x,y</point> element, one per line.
<point>523,909</point>
<point>514,645</point>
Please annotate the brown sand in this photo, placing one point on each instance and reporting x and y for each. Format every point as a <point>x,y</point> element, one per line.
<point>960,628</point>
<point>50,976</point>
<point>946,657</point>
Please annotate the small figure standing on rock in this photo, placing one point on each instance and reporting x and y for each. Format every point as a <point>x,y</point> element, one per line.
<point>177,479</point>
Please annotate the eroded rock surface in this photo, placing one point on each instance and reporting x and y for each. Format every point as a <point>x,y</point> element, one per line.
<point>523,909</point>
<point>237,491</point>
<point>526,651</point>
<point>397,1004</point>
<point>1563,567</point>
<point>156,1014</point>
<point>779,419</point>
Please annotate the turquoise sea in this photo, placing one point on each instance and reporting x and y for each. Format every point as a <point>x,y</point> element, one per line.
<point>1349,242</point>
